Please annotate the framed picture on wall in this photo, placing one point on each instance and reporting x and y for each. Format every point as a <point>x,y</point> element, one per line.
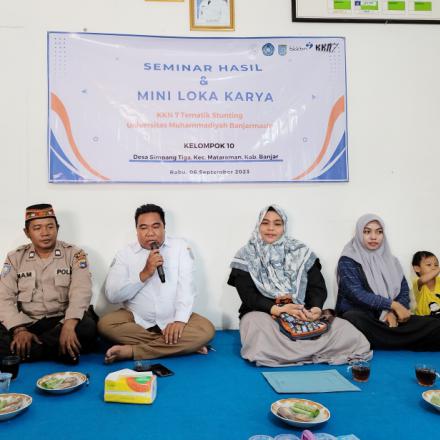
<point>211,15</point>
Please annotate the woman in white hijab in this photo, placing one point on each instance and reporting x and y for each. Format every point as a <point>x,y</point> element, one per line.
<point>272,266</point>
<point>374,295</point>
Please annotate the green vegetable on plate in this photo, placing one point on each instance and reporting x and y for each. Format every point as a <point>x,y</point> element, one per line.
<point>307,410</point>
<point>436,399</point>
<point>52,383</point>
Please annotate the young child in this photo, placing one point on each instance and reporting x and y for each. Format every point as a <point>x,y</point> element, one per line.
<point>427,286</point>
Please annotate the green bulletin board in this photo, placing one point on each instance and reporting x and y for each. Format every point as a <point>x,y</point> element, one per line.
<point>367,11</point>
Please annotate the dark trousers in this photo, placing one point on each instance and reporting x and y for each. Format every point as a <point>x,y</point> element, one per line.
<point>420,333</point>
<point>48,331</point>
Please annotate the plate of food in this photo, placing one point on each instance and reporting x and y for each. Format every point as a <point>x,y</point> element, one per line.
<point>12,404</point>
<point>302,413</point>
<point>433,398</point>
<point>61,383</point>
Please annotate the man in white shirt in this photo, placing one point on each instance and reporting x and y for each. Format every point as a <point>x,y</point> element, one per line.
<point>157,318</point>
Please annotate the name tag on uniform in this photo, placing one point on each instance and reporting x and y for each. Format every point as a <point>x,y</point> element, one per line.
<point>64,271</point>
<point>27,274</point>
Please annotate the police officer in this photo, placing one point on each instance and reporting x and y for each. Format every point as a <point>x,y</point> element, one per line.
<point>45,292</point>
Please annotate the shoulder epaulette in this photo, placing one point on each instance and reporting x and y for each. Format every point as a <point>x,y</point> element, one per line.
<point>21,248</point>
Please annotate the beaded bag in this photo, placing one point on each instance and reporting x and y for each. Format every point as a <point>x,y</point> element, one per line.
<point>295,328</point>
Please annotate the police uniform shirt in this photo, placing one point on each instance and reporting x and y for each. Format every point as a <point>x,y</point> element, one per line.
<point>32,288</point>
<point>153,302</point>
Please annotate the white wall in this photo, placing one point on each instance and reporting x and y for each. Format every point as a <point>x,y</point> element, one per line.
<point>394,149</point>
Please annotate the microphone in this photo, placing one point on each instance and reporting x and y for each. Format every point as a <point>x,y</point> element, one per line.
<point>160,271</point>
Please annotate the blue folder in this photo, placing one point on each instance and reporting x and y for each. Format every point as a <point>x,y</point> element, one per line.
<point>325,381</point>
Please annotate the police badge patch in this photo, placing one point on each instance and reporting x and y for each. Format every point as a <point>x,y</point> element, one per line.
<point>80,258</point>
<point>6,269</point>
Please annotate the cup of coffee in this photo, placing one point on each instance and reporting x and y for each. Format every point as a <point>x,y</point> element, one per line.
<point>360,370</point>
<point>5,380</point>
<point>426,375</point>
<point>10,364</point>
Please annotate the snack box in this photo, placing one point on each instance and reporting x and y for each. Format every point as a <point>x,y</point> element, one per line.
<point>128,386</point>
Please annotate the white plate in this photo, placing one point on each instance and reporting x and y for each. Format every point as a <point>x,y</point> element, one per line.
<point>323,416</point>
<point>12,404</point>
<point>61,383</point>
<point>428,395</point>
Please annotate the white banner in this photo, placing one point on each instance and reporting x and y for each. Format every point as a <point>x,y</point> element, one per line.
<point>127,108</point>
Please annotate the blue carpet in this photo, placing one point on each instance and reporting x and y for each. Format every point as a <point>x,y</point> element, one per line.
<point>221,396</point>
